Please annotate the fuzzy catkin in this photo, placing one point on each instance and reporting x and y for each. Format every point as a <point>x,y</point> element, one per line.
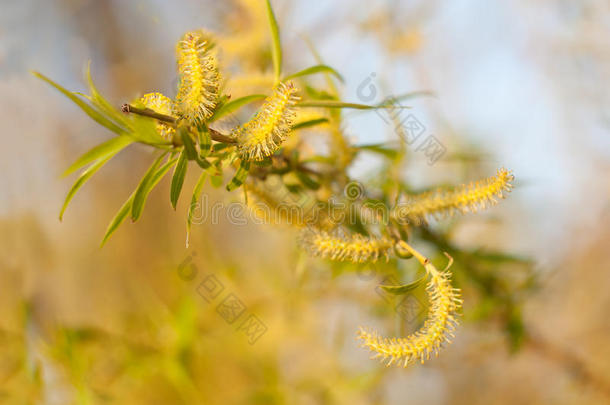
<point>445,202</point>
<point>437,330</point>
<point>266,131</point>
<point>345,247</point>
<point>162,105</point>
<point>199,77</point>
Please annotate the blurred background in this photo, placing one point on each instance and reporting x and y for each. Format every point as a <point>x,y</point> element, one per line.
<point>522,85</point>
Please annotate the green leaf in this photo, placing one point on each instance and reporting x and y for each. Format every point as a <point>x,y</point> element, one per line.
<point>205,141</point>
<point>315,69</point>
<point>340,104</point>
<point>153,182</point>
<point>101,103</point>
<point>86,175</point>
<point>240,176</point>
<point>307,181</point>
<point>235,105</point>
<point>405,288</point>
<point>276,47</point>
<point>144,129</point>
<point>178,179</point>
<point>310,123</point>
<point>194,200</point>
<point>189,148</point>
<point>406,96</point>
<point>96,115</point>
<point>118,219</point>
<point>380,149</point>
<point>143,188</point>
<point>216,180</point>
<point>499,257</point>
<point>100,151</point>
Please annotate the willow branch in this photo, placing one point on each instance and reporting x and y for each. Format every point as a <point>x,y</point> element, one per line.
<point>167,119</point>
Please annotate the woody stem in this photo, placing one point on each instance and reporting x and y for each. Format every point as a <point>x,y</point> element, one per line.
<point>168,119</point>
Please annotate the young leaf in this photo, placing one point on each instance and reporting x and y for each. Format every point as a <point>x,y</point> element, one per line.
<point>315,69</point>
<point>240,176</point>
<point>340,104</point>
<point>235,105</point>
<point>178,179</point>
<point>189,148</point>
<point>194,200</point>
<point>101,103</point>
<point>102,150</point>
<point>307,181</point>
<point>136,210</point>
<point>141,193</point>
<point>88,109</point>
<point>118,219</point>
<point>205,141</point>
<point>405,288</point>
<point>379,148</point>
<point>310,123</point>
<point>276,48</point>
<point>86,175</point>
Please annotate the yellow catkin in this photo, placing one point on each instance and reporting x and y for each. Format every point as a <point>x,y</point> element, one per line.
<point>199,78</point>
<point>337,246</point>
<point>466,198</point>
<point>263,134</point>
<point>163,105</point>
<point>434,334</point>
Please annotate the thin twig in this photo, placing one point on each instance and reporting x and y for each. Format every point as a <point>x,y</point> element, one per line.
<point>167,119</point>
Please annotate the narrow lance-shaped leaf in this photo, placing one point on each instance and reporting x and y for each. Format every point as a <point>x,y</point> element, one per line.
<point>341,104</point>
<point>194,201</point>
<point>84,177</point>
<point>316,69</point>
<point>405,288</point>
<point>126,208</point>
<point>118,218</point>
<point>276,47</point>
<point>235,105</point>
<point>96,115</point>
<point>178,178</point>
<point>113,145</point>
<point>205,141</point>
<point>309,123</point>
<point>189,148</point>
<point>157,176</point>
<point>101,103</point>
<point>140,193</point>
<point>380,149</point>
<point>307,181</point>
<point>240,176</point>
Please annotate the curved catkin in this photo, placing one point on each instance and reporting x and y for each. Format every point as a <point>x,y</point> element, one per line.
<point>466,198</point>
<point>337,246</point>
<point>199,78</point>
<point>163,105</point>
<point>435,333</point>
<point>263,134</point>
